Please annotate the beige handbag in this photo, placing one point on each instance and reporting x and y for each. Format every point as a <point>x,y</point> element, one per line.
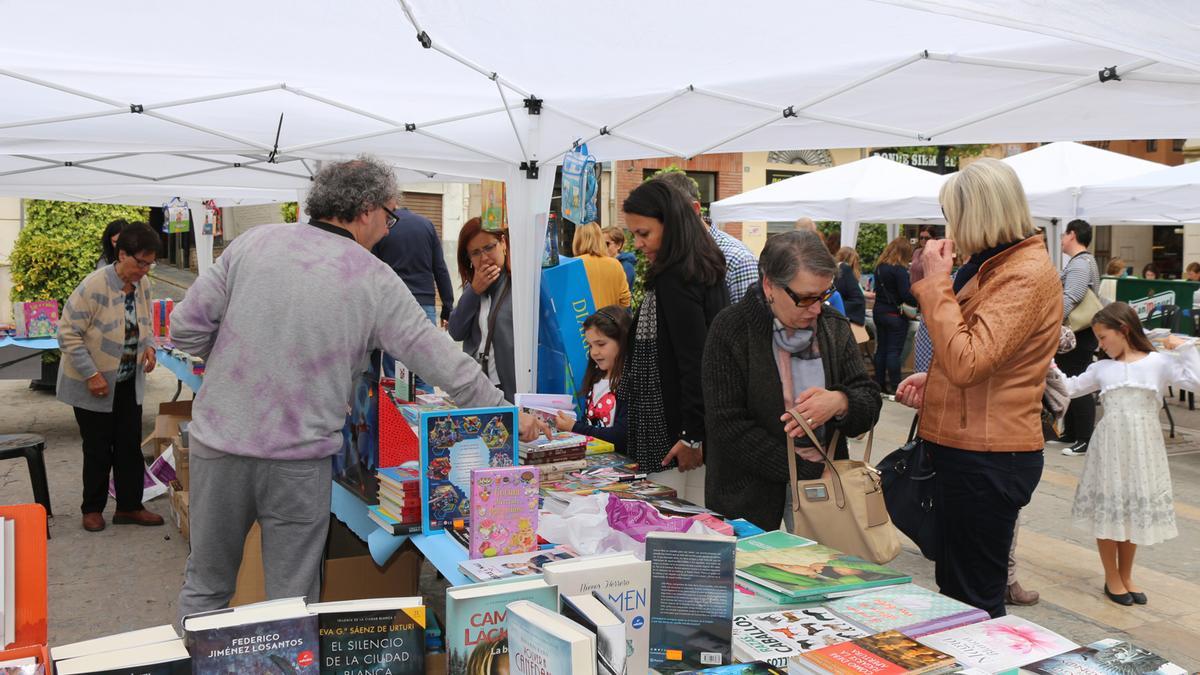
<point>844,508</point>
<point>1081,317</point>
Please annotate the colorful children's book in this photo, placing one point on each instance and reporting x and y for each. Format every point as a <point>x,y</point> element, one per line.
<point>779,635</point>
<point>452,444</point>
<point>504,511</point>
<point>887,653</point>
<point>477,621</point>
<point>520,564</point>
<point>1106,657</point>
<point>36,319</point>
<point>383,635</point>
<point>807,571</point>
<point>277,635</point>
<point>1000,644</point>
<point>691,600</point>
<point>355,465</point>
<point>910,609</point>
<point>541,641</point>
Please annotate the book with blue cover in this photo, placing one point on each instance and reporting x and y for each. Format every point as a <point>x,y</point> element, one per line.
<point>477,621</point>
<point>691,600</point>
<point>543,642</point>
<point>453,442</point>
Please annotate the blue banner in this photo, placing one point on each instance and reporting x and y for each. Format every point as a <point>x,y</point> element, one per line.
<point>566,303</point>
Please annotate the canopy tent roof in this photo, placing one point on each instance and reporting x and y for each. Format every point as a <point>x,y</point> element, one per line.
<point>1055,174</point>
<point>873,189</point>
<point>1166,196</point>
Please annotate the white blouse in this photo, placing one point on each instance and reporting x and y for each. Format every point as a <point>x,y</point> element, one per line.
<point>1179,367</point>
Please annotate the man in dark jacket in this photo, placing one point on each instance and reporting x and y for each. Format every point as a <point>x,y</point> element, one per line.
<point>412,248</point>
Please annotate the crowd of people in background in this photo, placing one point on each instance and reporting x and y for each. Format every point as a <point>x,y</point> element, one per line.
<point>707,374</point>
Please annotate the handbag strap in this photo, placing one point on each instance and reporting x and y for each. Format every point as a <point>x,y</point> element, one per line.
<point>838,493</point>
<point>493,312</point>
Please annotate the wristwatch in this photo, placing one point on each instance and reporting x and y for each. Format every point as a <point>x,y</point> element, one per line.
<point>695,445</point>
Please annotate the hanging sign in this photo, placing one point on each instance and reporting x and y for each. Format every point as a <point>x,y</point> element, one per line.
<point>177,218</point>
<point>210,218</point>
<point>495,216</point>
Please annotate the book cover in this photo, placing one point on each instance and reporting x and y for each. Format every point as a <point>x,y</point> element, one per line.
<point>640,489</point>
<point>779,635</point>
<point>541,642</point>
<point>623,581</point>
<point>602,620</point>
<point>691,600</point>
<point>999,644</point>
<point>162,658</point>
<point>452,444</point>
<point>561,440</point>
<point>281,646</point>
<point>908,608</point>
<point>371,641</point>
<point>504,511</point>
<point>355,464</point>
<point>808,571</point>
<point>36,319</point>
<point>520,564</point>
<point>477,621</point>
<point>887,653</point>
<point>751,668</point>
<point>1106,657</point>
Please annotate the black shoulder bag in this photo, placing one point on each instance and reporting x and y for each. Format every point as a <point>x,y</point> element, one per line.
<point>907,476</point>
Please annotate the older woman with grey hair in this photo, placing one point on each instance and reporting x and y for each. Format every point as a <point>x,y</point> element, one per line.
<point>780,348</point>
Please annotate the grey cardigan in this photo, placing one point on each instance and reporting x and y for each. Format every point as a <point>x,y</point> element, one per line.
<point>464,327</point>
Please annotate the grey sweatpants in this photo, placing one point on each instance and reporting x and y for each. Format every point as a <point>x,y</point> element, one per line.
<point>290,501</point>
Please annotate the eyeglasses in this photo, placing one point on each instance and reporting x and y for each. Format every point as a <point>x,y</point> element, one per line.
<point>482,251</point>
<point>142,264</point>
<point>392,218</point>
<point>808,300</point>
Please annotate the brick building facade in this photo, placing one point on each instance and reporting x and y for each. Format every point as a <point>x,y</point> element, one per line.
<point>725,169</point>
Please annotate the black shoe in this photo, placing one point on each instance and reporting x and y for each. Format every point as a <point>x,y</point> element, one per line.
<point>1076,449</point>
<point>1138,598</point>
<point>1125,599</point>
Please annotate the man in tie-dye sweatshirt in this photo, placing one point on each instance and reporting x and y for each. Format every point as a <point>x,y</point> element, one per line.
<point>284,319</point>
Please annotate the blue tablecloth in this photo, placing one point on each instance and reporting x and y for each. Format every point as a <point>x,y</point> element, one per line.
<point>182,370</point>
<point>31,343</point>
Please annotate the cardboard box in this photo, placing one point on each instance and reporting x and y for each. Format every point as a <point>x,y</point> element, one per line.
<point>166,427</point>
<point>435,664</point>
<point>251,584</point>
<point>179,509</point>
<point>182,462</point>
<point>351,574</point>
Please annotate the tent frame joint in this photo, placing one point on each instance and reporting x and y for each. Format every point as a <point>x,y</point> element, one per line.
<point>410,126</point>
<point>789,111</point>
<point>425,40</point>
<point>136,108</point>
<point>533,105</point>
<point>531,169</point>
<point>1109,73</point>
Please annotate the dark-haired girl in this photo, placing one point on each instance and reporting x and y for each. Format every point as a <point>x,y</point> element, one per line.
<point>684,291</point>
<point>108,242</point>
<point>604,413</point>
<point>1124,494</point>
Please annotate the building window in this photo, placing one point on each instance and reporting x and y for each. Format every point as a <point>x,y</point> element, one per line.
<point>1177,144</point>
<point>707,180</point>
<point>1151,146</point>
<point>776,175</point>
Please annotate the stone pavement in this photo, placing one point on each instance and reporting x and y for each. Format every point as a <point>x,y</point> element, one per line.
<point>127,577</point>
<point>170,282</point>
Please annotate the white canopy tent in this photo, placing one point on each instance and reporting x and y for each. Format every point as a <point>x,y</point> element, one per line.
<point>1054,176</point>
<point>873,189</point>
<point>1168,196</point>
<point>503,91</point>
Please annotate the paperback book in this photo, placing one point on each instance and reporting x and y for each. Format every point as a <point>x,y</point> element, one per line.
<point>808,571</point>
<point>384,636</point>
<point>908,608</point>
<point>263,637</point>
<point>1000,644</point>
<point>691,600</point>
<point>543,642</point>
<point>887,653</point>
<point>161,658</point>
<point>517,565</point>
<point>452,444</point>
<point>778,636</point>
<point>504,511</point>
<point>477,621</point>
<point>599,617</point>
<point>623,581</point>
<point>1106,657</point>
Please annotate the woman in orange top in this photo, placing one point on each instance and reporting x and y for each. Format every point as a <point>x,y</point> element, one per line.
<point>605,275</point>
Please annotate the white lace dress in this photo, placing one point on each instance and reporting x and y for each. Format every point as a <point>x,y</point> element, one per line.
<point>1124,493</point>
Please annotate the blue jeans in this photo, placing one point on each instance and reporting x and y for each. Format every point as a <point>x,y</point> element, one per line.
<point>389,363</point>
<point>891,330</point>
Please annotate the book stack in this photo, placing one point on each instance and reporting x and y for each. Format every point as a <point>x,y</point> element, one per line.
<point>399,508</point>
<point>562,447</point>
<point>559,471</point>
<point>887,653</point>
<point>154,651</point>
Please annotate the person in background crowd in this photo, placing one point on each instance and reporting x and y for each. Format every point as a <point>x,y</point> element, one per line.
<point>847,284</point>
<point>741,267</point>
<point>107,348</point>
<point>994,329</point>
<point>1150,272</point>
<point>1116,268</point>
<point>614,239</point>
<point>1124,493</point>
<point>1192,273</point>
<point>924,236</point>
<point>891,325</point>
<point>604,273</point>
<point>414,250</point>
<point>684,291</point>
<point>483,265</point>
<point>1078,276</point>
<point>1108,286</point>
<point>781,347</point>
<point>805,224</point>
<point>108,243</point>
<point>605,415</point>
<point>312,296</point>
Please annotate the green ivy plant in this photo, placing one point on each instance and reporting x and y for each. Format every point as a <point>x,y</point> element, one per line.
<point>290,211</point>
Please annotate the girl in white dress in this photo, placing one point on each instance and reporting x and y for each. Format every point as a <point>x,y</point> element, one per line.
<point>1124,495</point>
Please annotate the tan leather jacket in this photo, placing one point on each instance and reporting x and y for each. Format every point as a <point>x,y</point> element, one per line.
<point>992,346</point>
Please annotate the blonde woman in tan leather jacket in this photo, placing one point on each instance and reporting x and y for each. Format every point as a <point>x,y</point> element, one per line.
<point>994,330</point>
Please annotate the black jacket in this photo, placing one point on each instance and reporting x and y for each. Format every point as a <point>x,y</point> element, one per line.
<point>852,296</point>
<point>892,288</point>
<point>747,450</point>
<point>413,249</point>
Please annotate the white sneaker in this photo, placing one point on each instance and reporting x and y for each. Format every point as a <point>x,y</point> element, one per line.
<point>1075,449</point>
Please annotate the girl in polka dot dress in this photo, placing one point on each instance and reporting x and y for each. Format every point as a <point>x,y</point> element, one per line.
<point>604,415</point>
